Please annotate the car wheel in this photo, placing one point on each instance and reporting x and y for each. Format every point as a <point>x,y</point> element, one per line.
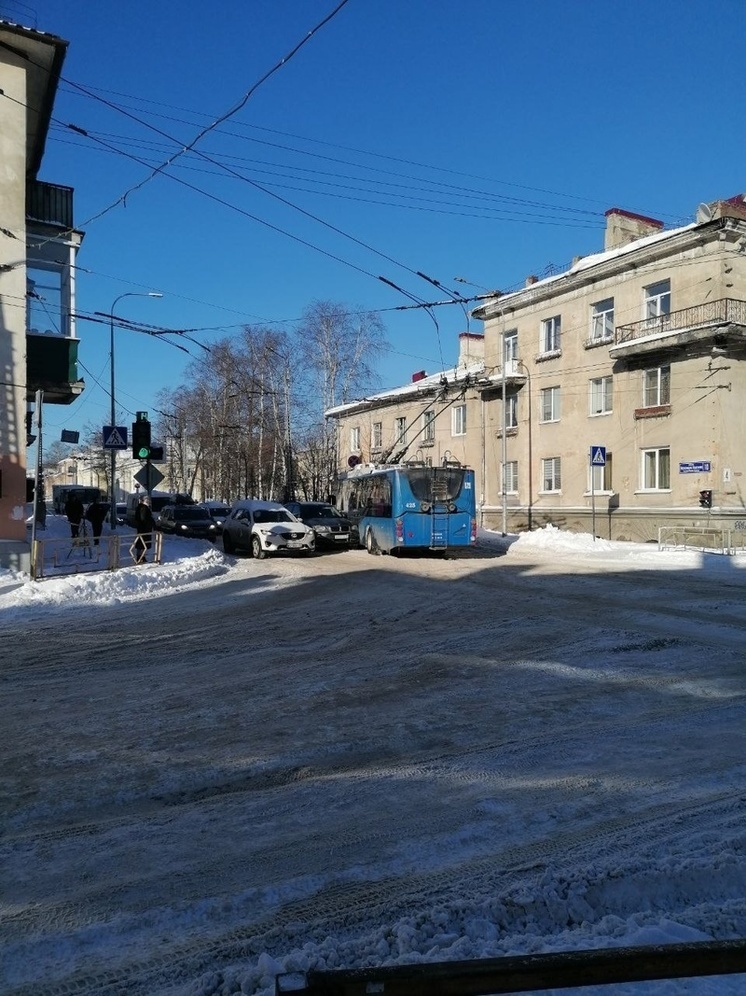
<point>370,542</point>
<point>228,545</point>
<point>256,548</point>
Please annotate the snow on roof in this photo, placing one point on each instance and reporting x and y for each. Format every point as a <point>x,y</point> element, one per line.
<point>454,375</point>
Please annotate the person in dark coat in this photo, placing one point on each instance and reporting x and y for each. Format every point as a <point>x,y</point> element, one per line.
<point>144,525</point>
<point>74,513</point>
<point>96,513</point>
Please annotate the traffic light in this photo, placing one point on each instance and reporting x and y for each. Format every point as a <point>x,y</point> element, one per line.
<point>141,439</point>
<point>156,453</point>
<point>705,499</point>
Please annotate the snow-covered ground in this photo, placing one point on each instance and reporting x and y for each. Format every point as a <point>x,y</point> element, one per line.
<point>218,769</point>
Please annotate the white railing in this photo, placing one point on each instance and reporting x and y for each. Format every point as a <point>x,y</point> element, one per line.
<point>710,540</point>
<point>58,556</point>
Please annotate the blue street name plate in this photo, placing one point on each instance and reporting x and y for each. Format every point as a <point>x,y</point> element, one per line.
<point>695,467</point>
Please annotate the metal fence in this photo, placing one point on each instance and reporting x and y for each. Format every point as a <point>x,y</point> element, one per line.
<point>60,556</point>
<point>708,540</point>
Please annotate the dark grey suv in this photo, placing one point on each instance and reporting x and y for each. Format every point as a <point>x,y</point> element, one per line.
<point>332,529</point>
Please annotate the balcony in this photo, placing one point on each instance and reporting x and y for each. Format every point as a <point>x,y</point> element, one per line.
<point>699,324</point>
<point>52,367</point>
<point>49,204</point>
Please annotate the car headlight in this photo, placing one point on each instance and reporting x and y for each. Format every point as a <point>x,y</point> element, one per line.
<point>182,526</point>
<point>321,529</point>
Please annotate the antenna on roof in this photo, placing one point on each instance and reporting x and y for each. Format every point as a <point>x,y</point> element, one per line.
<point>704,213</point>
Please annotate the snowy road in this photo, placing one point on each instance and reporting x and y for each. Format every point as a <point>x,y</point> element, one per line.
<point>350,760</point>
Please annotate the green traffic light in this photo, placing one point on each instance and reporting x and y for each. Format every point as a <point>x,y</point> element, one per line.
<point>144,452</point>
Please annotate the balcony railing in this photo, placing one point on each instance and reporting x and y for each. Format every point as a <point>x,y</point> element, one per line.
<point>713,313</point>
<point>49,203</point>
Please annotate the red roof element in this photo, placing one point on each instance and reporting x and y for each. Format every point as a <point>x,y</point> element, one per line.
<point>636,217</point>
<point>420,375</point>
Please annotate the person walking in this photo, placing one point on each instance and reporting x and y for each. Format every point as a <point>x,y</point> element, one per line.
<point>74,513</point>
<point>96,513</point>
<point>144,525</point>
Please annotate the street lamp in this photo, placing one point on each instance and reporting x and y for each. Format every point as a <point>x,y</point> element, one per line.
<point>112,486</point>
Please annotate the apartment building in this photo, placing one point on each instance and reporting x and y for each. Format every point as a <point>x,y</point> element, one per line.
<point>38,246</point>
<point>624,386</point>
<point>430,420</point>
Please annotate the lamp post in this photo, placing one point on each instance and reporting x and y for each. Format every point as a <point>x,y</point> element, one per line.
<point>113,469</point>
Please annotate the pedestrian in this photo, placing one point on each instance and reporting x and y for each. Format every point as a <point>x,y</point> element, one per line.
<point>144,526</point>
<point>96,513</point>
<point>74,513</point>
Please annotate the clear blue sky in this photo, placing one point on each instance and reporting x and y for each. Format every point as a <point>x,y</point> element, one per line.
<point>473,138</point>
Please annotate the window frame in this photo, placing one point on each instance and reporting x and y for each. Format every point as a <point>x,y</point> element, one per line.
<point>511,411</point>
<point>605,394</point>
<point>400,430</point>
<point>550,335</point>
<point>553,393</point>
<point>661,469</point>
<point>600,478</point>
<point>376,435</point>
<point>602,328</point>
<point>551,474</point>
<point>458,420</point>
<point>658,387</point>
<point>510,345</point>
<point>509,477</point>
<point>657,299</point>
<point>354,438</point>
<point>428,427</point>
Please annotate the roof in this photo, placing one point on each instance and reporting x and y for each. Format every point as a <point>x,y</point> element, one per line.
<point>252,503</point>
<point>426,385</point>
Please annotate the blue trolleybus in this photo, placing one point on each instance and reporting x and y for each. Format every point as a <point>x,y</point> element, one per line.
<point>410,507</point>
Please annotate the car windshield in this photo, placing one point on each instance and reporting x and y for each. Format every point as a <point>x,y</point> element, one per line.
<point>319,512</point>
<point>272,515</point>
<point>186,513</point>
<point>218,510</point>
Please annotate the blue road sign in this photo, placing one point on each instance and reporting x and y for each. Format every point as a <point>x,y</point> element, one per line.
<point>115,437</point>
<point>695,467</point>
<point>598,456</point>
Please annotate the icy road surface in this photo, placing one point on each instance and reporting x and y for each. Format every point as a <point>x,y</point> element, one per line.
<point>356,760</point>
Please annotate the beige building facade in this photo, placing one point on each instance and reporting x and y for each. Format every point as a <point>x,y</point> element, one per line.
<point>608,398</point>
<point>635,358</point>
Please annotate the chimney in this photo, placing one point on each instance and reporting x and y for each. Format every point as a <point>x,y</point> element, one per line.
<point>470,348</point>
<point>420,375</point>
<point>531,279</point>
<point>623,227</point>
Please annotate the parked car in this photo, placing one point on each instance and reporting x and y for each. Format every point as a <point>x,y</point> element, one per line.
<point>264,527</point>
<point>332,529</point>
<point>186,520</point>
<point>218,511</point>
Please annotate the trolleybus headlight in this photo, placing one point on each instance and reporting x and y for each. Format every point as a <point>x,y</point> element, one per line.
<point>425,506</point>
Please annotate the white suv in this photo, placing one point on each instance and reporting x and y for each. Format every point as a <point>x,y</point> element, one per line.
<point>264,527</point>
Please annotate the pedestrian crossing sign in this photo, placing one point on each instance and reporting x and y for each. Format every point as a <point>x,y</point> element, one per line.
<point>598,456</point>
<point>115,437</point>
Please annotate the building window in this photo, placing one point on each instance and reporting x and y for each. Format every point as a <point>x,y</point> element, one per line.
<point>550,404</point>
<point>510,478</point>
<point>656,387</point>
<point>510,345</point>
<point>355,439</point>
<point>376,436</point>
<point>600,400</point>
<point>400,431</point>
<point>551,478</point>
<point>600,477</point>
<point>428,423</point>
<point>511,411</point>
<point>656,469</point>
<point>550,335</point>
<point>459,421</point>
<point>658,299</point>
<point>602,320</point>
